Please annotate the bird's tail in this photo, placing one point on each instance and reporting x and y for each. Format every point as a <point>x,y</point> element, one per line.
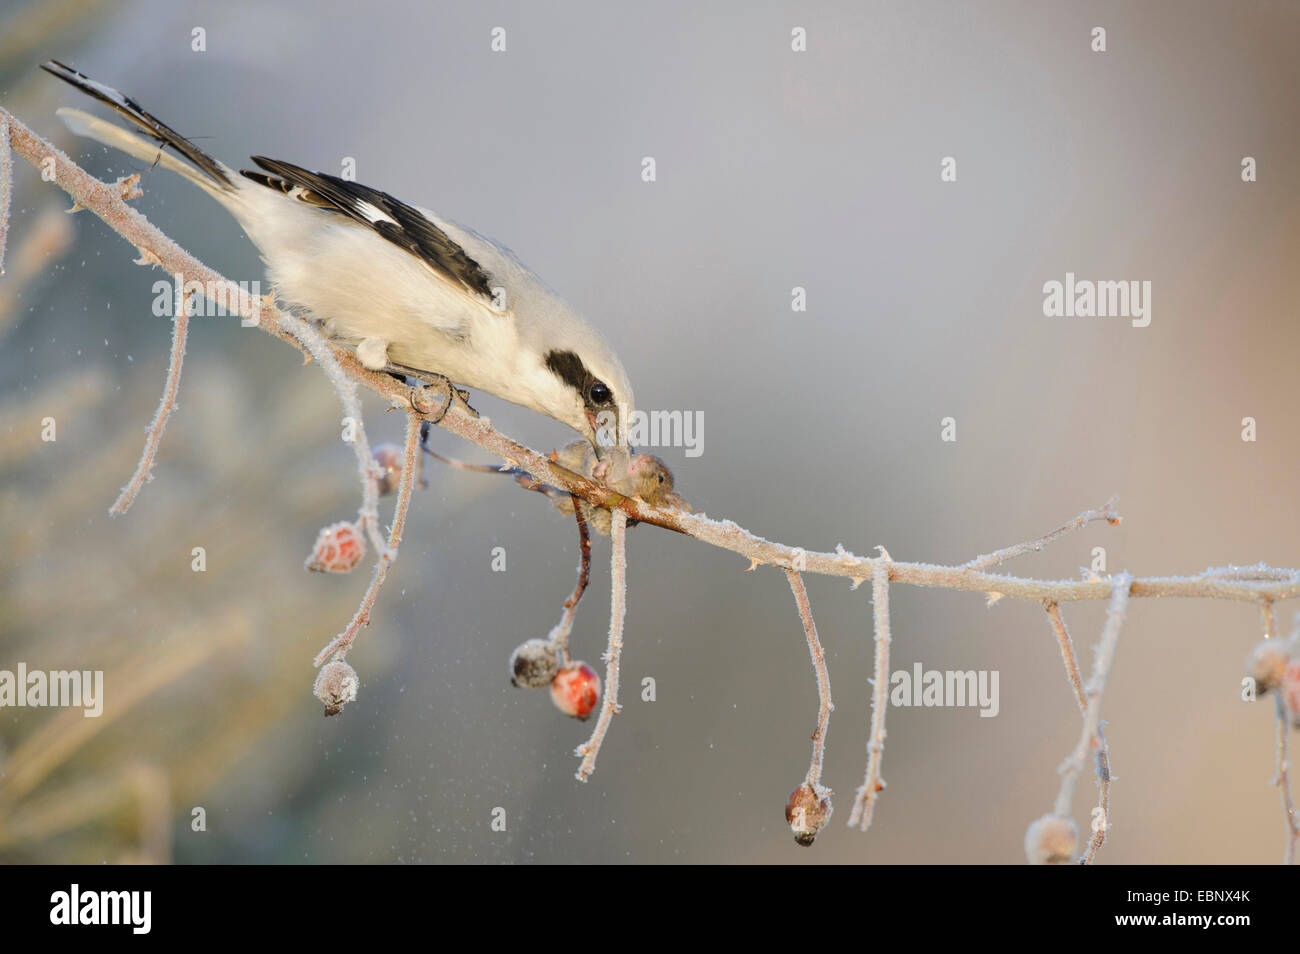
<point>205,172</point>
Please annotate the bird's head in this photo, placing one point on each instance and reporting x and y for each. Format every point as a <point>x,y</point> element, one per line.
<point>588,389</point>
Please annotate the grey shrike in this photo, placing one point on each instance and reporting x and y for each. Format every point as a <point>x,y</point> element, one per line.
<point>413,292</point>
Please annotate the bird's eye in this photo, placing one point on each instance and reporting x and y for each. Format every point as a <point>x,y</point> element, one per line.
<point>600,393</point>
<point>661,478</point>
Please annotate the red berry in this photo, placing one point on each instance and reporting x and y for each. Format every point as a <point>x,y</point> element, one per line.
<point>575,690</point>
<point>338,549</point>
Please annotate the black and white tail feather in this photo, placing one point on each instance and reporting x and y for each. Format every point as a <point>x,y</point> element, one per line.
<point>408,288</point>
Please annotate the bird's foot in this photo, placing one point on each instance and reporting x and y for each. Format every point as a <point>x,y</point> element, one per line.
<point>422,403</point>
<point>427,379</point>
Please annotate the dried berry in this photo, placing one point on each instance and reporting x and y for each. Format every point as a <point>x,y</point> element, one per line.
<point>389,458</point>
<point>1052,840</point>
<point>807,811</point>
<point>533,665</point>
<point>336,686</point>
<point>1267,662</point>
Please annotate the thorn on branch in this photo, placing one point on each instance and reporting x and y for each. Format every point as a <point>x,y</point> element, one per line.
<point>147,256</point>
<point>128,187</point>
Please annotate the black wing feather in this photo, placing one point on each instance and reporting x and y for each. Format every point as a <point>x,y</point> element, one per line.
<point>402,225</point>
<point>129,108</point>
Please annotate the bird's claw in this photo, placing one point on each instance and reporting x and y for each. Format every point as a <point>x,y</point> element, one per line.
<point>450,395</point>
<point>420,404</point>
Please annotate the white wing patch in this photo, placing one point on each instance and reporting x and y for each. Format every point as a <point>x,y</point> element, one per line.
<point>374,214</point>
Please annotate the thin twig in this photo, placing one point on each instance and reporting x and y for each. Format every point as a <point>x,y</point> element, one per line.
<point>617,610</point>
<point>167,404</point>
<point>346,388</point>
<point>864,804</point>
<point>1067,655</point>
<point>1282,779</point>
<point>1106,512</point>
<point>463,465</point>
<point>6,186</point>
<point>1089,737</point>
<point>824,705</point>
<point>1268,618</point>
<point>339,646</point>
<point>559,635</point>
<point>1101,822</point>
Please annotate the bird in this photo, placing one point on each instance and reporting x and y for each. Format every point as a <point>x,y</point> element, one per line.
<point>414,293</point>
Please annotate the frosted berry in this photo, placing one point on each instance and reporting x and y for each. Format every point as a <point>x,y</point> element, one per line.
<point>339,548</point>
<point>575,690</point>
<point>1052,840</point>
<point>1267,663</point>
<point>807,812</point>
<point>533,665</point>
<point>336,686</point>
<point>389,458</point>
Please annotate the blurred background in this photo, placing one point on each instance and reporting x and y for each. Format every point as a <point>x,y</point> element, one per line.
<point>775,169</point>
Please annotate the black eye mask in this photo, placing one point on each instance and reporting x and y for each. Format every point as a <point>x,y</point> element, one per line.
<point>568,367</point>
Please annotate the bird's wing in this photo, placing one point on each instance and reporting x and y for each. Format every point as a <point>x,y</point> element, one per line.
<point>391,218</point>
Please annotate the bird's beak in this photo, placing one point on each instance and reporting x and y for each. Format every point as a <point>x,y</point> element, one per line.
<point>593,435</point>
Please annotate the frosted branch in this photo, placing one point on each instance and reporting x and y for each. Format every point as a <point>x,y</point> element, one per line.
<point>6,186</point>
<point>617,610</point>
<point>1107,513</point>
<point>1102,823</point>
<point>1268,618</point>
<point>865,803</point>
<point>559,634</point>
<point>1067,655</point>
<point>824,705</point>
<point>346,388</point>
<point>1091,738</point>
<point>339,646</point>
<point>1282,779</point>
<point>153,436</point>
